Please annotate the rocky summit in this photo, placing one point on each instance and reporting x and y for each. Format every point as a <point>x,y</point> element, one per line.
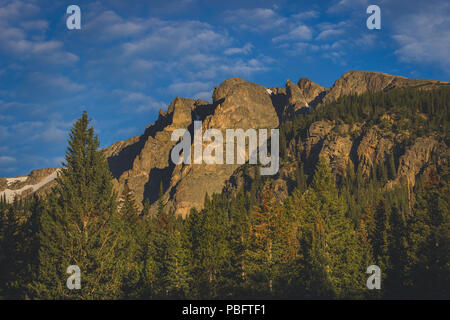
<point>143,165</point>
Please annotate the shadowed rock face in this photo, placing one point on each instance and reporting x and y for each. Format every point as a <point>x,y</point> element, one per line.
<point>143,163</point>
<point>301,96</point>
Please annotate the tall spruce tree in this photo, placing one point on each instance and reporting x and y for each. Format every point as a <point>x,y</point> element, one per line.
<point>273,245</point>
<point>429,238</point>
<point>80,224</point>
<point>171,255</point>
<point>330,246</point>
<point>209,233</point>
<point>131,253</point>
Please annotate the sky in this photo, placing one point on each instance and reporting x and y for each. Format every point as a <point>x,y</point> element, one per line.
<point>132,58</point>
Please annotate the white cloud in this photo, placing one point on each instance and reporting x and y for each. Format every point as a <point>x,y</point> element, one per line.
<point>178,38</point>
<point>143,64</point>
<point>299,33</point>
<point>235,68</point>
<point>189,88</point>
<point>246,49</point>
<point>344,5</point>
<point>256,19</point>
<point>51,130</point>
<point>425,37</point>
<point>52,82</point>
<point>153,105</point>
<point>205,95</point>
<point>139,102</point>
<point>22,36</point>
<point>6,160</point>
<point>311,14</point>
<point>108,25</point>
<point>329,33</point>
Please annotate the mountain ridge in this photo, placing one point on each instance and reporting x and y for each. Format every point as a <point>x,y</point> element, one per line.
<point>142,162</point>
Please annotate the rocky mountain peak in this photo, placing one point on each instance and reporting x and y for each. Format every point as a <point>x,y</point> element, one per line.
<point>358,82</point>
<point>310,89</point>
<point>143,163</point>
<point>302,96</point>
<point>181,111</point>
<point>225,87</point>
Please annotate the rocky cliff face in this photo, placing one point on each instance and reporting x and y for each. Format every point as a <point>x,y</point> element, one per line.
<point>143,163</point>
<point>358,82</point>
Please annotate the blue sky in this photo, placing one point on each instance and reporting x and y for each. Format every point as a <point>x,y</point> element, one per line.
<point>131,58</point>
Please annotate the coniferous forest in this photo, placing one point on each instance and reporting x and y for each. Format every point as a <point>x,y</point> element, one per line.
<point>316,243</point>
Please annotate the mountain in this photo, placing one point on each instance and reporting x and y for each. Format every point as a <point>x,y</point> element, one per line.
<point>143,163</point>
<point>38,181</point>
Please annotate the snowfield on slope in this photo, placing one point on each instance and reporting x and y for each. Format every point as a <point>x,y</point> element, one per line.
<point>10,194</point>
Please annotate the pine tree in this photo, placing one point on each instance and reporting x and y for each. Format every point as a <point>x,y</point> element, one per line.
<point>128,209</point>
<point>146,210</point>
<point>177,279</point>
<point>332,253</point>
<point>208,233</point>
<point>239,242</point>
<point>273,245</point>
<point>171,257</point>
<point>300,178</point>
<point>380,235</point>
<point>80,225</point>
<point>10,252</point>
<point>429,238</point>
<point>396,279</point>
<point>131,252</point>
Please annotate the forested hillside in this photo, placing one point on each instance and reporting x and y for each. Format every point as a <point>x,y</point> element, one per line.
<point>363,180</point>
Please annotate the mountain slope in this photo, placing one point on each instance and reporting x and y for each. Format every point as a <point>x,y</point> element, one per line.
<point>143,163</point>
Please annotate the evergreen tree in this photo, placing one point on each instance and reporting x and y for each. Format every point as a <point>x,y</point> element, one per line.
<point>80,225</point>
<point>131,253</point>
<point>171,257</point>
<point>300,178</point>
<point>177,279</point>
<point>330,246</point>
<point>209,234</point>
<point>10,252</point>
<point>429,238</point>
<point>273,244</point>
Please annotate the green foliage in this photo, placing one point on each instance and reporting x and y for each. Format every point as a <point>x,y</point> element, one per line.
<point>316,241</point>
<point>80,225</point>
<point>171,256</point>
<point>428,253</point>
<point>331,250</point>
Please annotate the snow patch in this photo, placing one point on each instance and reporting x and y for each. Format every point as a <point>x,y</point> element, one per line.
<point>10,181</point>
<point>269,91</point>
<point>10,194</point>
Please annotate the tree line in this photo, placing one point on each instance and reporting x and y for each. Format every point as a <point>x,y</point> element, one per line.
<point>315,243</point>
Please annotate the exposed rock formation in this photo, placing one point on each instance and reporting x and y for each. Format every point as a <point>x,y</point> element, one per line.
<point>302,96</point>
<point>374,148</point>
<point>414,159</point>
<point>358,82</point>
<point>336,150</point>
<point>238,104</point>
<point>143,163</point>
